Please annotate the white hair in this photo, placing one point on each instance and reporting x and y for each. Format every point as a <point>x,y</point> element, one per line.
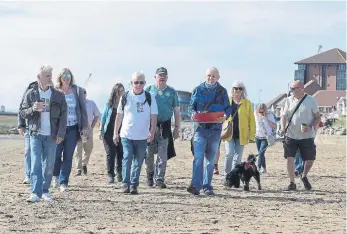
<point>138,75</point>
<point>241,85</point>
<point>212,69</point>
<point>44,69</point>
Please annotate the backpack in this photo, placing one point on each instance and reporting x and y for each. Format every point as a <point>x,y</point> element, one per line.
<point>124,99</point>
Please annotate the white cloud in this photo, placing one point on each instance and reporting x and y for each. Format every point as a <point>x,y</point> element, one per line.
<point>114,39</point>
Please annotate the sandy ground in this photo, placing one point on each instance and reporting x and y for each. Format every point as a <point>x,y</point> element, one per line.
<point>93,206</point>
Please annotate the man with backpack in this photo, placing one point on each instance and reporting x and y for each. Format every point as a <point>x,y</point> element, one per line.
<point>137,114</point>
<point>167,101</point>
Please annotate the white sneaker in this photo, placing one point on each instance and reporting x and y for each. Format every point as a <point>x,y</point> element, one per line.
<point>33,198</point>
<point>63,188</point>
<point>55,183</point>
<point>47,197</point>
<point>26,181</point>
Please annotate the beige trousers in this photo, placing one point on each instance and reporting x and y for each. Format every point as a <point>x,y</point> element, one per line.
<point>87,148</point>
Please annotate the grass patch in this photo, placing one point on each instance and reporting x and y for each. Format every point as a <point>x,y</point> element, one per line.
<point>341,122</point>
<point>8,120</point>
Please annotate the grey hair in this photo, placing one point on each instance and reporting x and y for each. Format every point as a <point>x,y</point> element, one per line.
<point>138,75</point>
<point>241,85</point>
<point>44,69</point>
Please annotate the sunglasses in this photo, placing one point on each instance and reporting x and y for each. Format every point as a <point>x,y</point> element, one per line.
<point>238,88</point>
<point>293,88</point>
<point>139,82</point>
<point>66,76</point>
<point>261,112</point>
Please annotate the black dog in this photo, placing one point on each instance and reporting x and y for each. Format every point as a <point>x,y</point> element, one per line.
<point>244,172</point>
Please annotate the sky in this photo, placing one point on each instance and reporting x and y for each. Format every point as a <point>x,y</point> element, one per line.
<point>255,42</point>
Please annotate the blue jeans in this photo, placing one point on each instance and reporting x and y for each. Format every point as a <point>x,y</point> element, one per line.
<point>233,154</point>
<point>27,158</point>
<point>261,145</point>
<point>299,163</point>
<point>42,163</point>
<point>206,144</point>
<point>134,152</point>
<point>62,166</point>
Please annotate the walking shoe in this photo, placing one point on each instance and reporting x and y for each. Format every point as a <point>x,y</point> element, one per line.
<point>126,188</point>
<point>216,171</point>
<point>79,173</point>
<point>119,177</point>
<point>192,190</point>
<point>55,183</point>
<point>33,198</point>
<point>150,179</point>
<point>63,188</point>
<point>291,186</point>
<point>133,190</point>
<point>111,180</point>
<point>47,197</point>
<point>208,192</point>
<point>26,180</point>
<point>306,183</point>
<point>84,169</point>
<point>160,184</point>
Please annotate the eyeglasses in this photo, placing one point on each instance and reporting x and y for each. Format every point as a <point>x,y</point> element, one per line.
<point>66,76</point>
<point>238,88</point>
<point>139,82</point>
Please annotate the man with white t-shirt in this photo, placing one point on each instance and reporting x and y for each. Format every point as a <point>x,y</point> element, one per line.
<point>45,110</point>
<point>300,134</point>
<point>137,114</point>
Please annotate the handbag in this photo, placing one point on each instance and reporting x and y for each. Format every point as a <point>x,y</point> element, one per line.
<point>227,127</point>
<point>269,138</point>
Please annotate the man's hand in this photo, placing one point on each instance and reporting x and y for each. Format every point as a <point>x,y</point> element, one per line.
<point>59,140</point>
<point>116,139</point>
<point>38,106</point>
<point>176,132</point>
<point>280,133</point>
<point>150,138</point>
<point>21,131</point>
<point>221,119</point>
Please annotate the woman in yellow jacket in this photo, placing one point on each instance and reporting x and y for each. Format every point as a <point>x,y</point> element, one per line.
<point>243,126</point>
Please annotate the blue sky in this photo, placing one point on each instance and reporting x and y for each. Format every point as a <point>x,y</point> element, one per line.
<point>257,42</point>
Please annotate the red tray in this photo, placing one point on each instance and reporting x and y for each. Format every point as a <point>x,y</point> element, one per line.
<point>210,117</point>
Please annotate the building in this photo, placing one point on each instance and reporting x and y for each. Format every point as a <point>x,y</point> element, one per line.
<point>341,106</point>
<point>323,76</point>
<point>328,100</point>
<point>184,101</point>
<point>2,108</point>
<point>328,69</point>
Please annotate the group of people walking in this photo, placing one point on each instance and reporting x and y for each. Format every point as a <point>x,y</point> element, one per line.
<point>136,124</point>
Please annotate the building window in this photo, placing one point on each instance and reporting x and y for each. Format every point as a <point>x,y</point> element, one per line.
<point>324,77</point>
<point>302,66</point>
<point>300,75</point>
<point>341,77</point>
<point>341,67</point>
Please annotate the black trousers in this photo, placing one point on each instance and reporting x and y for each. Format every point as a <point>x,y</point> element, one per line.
<point>114,155</point>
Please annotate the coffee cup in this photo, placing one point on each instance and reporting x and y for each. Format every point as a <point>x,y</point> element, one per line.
<point>303,127</point>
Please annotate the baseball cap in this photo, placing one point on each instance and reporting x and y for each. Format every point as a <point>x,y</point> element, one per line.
<point>161,70</point>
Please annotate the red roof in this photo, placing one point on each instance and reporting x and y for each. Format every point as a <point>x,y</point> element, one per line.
<point>333,56</point>
<point>328,98</point>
